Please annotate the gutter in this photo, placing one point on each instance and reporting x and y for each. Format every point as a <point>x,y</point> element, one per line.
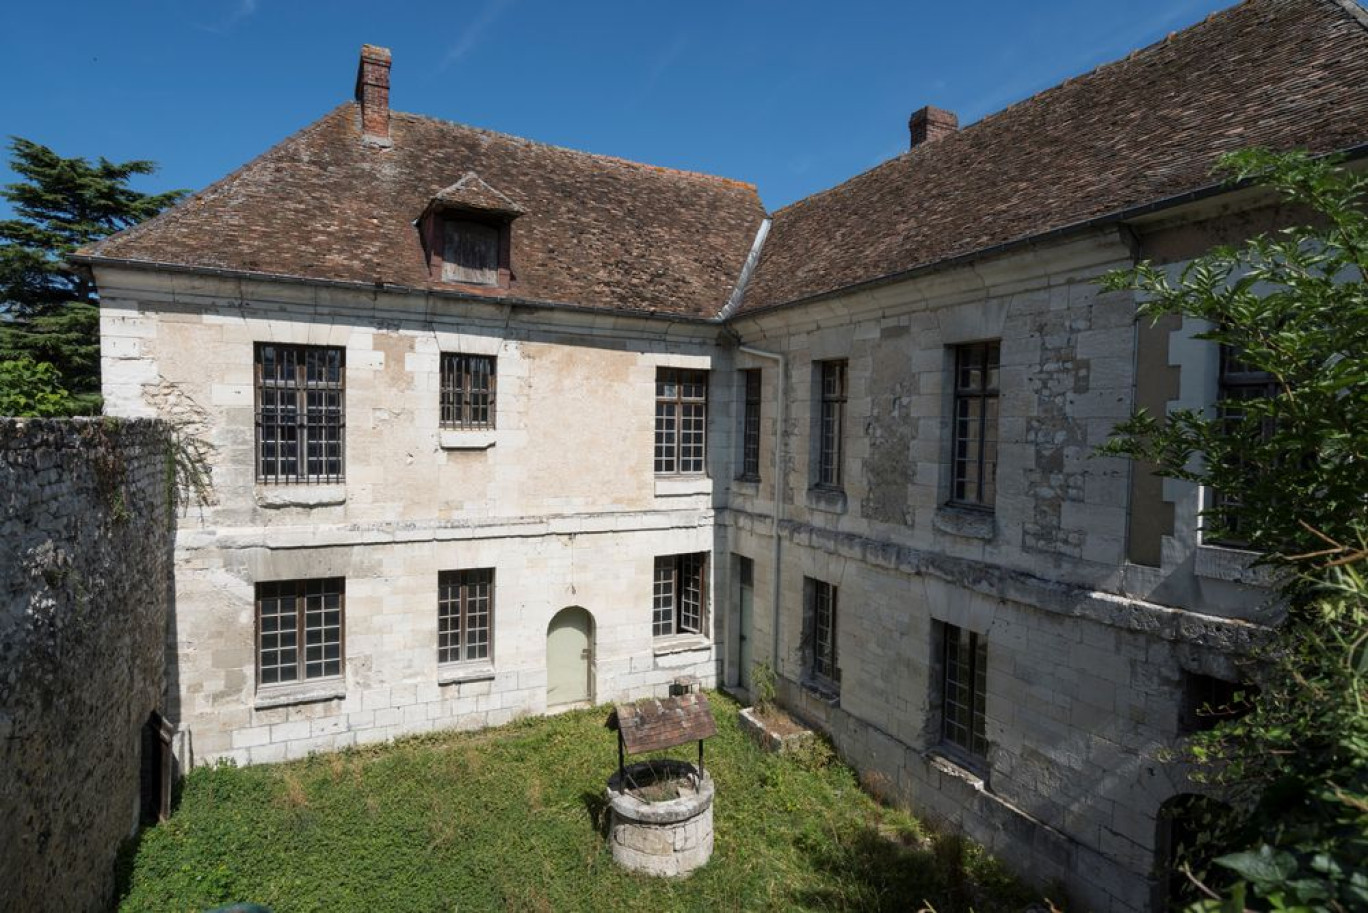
<point>781,398</point>
<point>284,278</point>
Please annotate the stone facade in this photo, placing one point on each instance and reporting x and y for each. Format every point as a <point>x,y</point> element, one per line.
<point>559,499</point>
<point>1085,671</point>
<point>84,596</point>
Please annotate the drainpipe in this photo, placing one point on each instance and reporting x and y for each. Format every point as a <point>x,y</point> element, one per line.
<point>781,398</point>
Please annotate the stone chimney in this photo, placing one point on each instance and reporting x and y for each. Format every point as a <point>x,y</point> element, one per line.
<point>372,94</point>
<point>930,124</point>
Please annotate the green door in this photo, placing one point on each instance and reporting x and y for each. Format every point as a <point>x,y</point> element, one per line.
<point>569,649</point>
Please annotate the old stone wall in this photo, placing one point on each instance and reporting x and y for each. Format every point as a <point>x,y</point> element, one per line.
<point>84,591</point>
<point>558,498</point>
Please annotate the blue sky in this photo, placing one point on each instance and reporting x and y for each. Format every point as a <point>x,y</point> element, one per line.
<point>792,96</point>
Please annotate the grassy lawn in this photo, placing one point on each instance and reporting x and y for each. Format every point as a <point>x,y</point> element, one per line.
<point>509,819</point>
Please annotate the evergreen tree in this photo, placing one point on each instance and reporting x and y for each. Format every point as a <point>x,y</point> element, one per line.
<point>48,308</point>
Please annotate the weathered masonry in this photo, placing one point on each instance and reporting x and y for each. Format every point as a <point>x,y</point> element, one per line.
<point>500,428</point>
<point>85,592</point>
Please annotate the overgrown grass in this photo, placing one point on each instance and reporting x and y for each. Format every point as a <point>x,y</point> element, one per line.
<point>512,819</point>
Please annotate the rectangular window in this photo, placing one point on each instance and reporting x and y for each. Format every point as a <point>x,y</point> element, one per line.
<point>822,603</point>
<point>831,423</point>
<point>465,615</point>
<point>300,413</point>
<point>468,391</point>
<point>677,597</point>
<point>299,630</point>
<point>973,474</point>
<point>470,253</point>
<point>964,689</point>
<point>681,421</point>
<point>1239,382</point>
<point>750,426</point>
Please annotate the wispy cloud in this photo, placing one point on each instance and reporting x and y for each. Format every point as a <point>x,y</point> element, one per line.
<point>245,9</point>
<point>662,62</point>
<point>474,33</point>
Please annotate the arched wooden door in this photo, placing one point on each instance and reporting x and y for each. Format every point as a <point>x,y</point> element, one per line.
<point>569,658</point>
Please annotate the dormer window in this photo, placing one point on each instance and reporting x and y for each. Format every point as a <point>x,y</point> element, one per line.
<point>470,252</point>
<point>467,233</point>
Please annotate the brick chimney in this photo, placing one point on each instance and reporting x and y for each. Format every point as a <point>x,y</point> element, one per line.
<point>930,124</point>
<point>372,94</point>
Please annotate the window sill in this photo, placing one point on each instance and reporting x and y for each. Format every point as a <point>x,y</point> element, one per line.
<point>1219,562</point>
<point>827,692</point>
<point>457,675</point>
<point>309,693</point>
<point>955,763</point>
<point>969,522</point>
<point>828,500</point>
<point>300,495</point>
<point>680,643</point>
<point>453,439</point>
<point>747,487</point>
<point>680,486</point>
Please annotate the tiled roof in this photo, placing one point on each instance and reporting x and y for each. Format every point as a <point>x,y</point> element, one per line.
<point>1278,73</point>
<point>595,231</point>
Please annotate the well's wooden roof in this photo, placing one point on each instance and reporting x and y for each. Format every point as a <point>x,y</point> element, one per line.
<point>654,724</point>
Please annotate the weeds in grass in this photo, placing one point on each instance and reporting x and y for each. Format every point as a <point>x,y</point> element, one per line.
<point>515,818</point>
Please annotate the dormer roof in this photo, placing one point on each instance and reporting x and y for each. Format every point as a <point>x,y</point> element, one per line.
<point>472,194</point>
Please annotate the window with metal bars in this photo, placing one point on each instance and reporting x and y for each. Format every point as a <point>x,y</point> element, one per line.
<point>973,476</point>
<point>465,615</point>
<point>300,413</point>
<point>750,426</point>
<point>299,630</point>
<point>821,598</point>
<point>830,422</point>
<point>681,421</point>
<point>678,594</point>
<point>964,689</point>
<point>1239,382</point>
<point>468,391</point>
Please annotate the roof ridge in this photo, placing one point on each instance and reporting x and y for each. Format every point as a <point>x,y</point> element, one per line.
<point>1021,102</point>
<point>613,159</point>
<point>182,207</point>
<point>1353,9</point>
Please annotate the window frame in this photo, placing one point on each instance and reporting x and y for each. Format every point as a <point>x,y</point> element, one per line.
<point>456,586</point>
<point>672,411</point>
<point>966,694</point>
<point>986,395</point>
<point>823,658</point>
<point>833,393</point>
<point>668,606</point>
<point>301,596</point>
<point>458,398</point>
<point>751,391</point>
<point>1235,383</point>
<point>305,432</point>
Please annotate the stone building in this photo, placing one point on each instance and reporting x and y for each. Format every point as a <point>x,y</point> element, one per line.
<point>498,428</point>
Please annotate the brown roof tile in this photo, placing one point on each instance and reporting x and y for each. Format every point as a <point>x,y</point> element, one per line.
<point>1278,73</point>
<point>595,231</point>
<point>653,724</point>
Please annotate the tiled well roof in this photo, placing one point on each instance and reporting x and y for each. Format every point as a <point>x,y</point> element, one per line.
<point>1278,73</point>
<point>595,231</point>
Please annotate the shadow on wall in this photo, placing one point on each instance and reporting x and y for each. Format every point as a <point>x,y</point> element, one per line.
<point>83,632</point>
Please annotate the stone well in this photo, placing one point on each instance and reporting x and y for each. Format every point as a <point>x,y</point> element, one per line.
<point>670,837</point>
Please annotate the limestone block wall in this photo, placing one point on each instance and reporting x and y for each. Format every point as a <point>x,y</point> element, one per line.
<point>84,594</point>
<point>560,499</point>
<point>1086,654</point>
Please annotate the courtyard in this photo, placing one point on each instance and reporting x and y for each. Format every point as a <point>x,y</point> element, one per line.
<point>513,819</point>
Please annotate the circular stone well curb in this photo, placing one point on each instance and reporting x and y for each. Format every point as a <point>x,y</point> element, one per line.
<point>669,838</point>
